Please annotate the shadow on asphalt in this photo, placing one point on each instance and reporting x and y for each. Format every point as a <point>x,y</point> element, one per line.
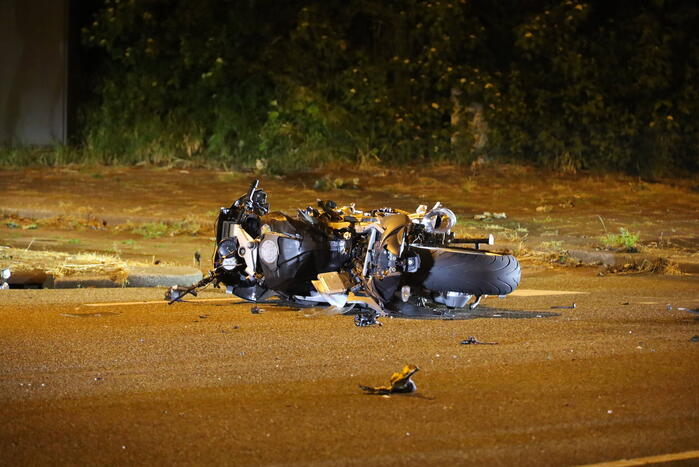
<point>480,312</point>
<point>433,313</point>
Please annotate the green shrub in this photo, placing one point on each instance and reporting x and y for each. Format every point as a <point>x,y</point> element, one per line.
<point>565,84</point>
<point>624,240</point>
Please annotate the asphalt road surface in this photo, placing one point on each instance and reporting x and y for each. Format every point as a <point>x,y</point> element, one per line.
<point>210,382</point>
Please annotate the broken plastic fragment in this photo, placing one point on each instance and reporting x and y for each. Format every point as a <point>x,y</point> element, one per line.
<point>3,279</point>
<point>366,319</point>
<point>400,382</point>
<point>571,307</point>
<point>472,340</point>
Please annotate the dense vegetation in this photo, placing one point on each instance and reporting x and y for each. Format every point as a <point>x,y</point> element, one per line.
<point>565,84</point>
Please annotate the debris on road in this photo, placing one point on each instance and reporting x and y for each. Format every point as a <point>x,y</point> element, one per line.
<point>366,319</point>
<point>694,339</point>
<point>563,307</point>
<point>400,382</point>
<point>6,273</point>
<point>175,294</point>
<point>256,310</point>
<point>472,340</point>
<point>691,310</point>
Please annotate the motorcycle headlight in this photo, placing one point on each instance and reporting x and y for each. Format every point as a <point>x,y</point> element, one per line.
<point>269,251</point>
<point>227,247</point>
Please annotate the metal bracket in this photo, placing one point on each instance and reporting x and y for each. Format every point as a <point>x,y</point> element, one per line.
<point>248,245</point>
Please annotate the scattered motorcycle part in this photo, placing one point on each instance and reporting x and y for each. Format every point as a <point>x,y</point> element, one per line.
<point>563,307</point>
<point>366,319</point>
<point>400,382</point>
<point>4,277</point>
<point>472,340</point>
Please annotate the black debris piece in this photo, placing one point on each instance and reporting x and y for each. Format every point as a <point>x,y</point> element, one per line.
<point>203,316</point>
<point>473,340</point>
<point>366,319</point>
<point>694,339</point>
<point>256,310</point>
<point>563,307</point>
<point>691,310</point>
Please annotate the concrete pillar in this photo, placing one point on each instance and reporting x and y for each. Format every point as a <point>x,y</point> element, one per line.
<point>33,71</point>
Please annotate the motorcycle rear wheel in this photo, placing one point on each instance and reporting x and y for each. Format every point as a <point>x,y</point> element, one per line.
<point>468,272</point>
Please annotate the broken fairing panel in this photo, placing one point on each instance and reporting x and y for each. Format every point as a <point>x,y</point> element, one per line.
<point>400,382</point>
<point>4,278</point>
<point>379,261</point>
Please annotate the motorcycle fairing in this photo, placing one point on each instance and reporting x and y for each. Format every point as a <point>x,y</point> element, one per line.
<point>301,257</point>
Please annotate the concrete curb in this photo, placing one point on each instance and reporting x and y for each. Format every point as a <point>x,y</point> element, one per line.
<point>614,259</point>
<point>167,276</point>
<point>150,276</point>
<point>610,258</point>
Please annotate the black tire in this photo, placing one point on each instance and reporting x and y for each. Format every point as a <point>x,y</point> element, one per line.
<point>467,272</point>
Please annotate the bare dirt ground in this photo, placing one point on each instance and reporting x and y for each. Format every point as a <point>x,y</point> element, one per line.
<point>113,210</point>
<point>210,382</point>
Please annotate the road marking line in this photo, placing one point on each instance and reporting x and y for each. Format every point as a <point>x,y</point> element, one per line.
<point>678,456</point>
<point>158,301</point>
<point>537,293</point>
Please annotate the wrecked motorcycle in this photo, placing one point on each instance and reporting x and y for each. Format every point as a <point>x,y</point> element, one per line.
<point>383,260</point>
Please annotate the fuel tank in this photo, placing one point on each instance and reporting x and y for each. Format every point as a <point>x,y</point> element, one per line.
<point>292,253</point>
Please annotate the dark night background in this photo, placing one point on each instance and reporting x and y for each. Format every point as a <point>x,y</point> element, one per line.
<point>563,84</point>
